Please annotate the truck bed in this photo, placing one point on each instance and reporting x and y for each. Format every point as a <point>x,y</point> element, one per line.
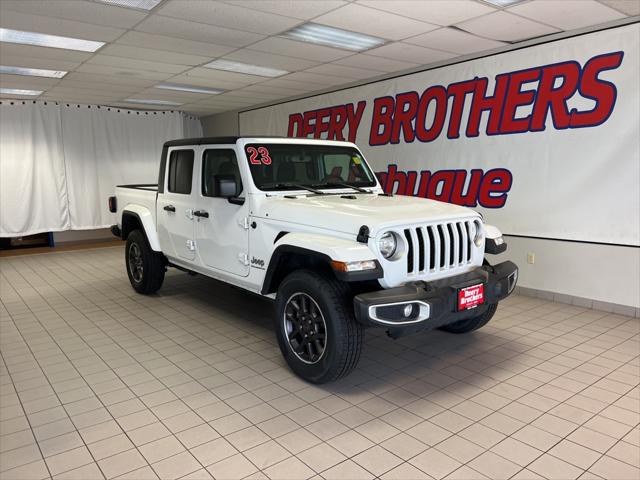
<point>132,197</point>
<point>141,186</point>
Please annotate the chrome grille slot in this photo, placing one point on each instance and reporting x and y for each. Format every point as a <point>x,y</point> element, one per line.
<point>438,247</point>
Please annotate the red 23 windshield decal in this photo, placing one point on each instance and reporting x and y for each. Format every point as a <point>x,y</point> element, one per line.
<point>259,156</point>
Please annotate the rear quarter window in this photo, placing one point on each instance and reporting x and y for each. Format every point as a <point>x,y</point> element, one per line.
<point>180,171</point>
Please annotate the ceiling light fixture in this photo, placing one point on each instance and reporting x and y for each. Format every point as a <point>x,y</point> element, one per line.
<point>189,88</point>
<point>152,102</point>
<point>44,40</point>
<point>17,91</point>
<point>32,72</point>
<point>502,3</point>
<point>333,37</point>
<point>231,66</point>
<point>137,4</point>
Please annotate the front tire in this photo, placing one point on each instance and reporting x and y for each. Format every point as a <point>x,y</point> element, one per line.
<point>145,267</point>
<point>473,323</point>
<point>315,326</point>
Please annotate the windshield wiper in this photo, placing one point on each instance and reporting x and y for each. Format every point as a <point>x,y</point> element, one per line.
<point>295,185</point>
<point>341,184</point>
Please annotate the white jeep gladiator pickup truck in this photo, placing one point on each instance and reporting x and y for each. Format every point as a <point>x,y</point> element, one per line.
<point>305,222</point>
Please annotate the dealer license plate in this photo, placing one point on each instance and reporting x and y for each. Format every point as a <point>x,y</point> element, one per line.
<point>470,297</point>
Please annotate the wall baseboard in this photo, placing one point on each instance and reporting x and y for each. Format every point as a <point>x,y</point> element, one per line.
<point>579,301</point>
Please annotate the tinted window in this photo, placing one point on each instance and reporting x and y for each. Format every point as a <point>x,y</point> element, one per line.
<point>180,171</point>
<point>221,163</point>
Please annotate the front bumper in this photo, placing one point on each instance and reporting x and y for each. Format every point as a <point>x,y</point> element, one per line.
<point>434,304</point>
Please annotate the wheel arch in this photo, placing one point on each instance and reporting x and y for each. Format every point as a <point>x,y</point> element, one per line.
<point>316,252</point>
<point>137,217</point>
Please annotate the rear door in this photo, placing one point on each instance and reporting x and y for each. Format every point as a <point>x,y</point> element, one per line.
<point>223,235</point>
<point>175,205</point>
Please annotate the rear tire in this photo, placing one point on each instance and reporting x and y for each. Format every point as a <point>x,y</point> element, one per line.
<point>473,323</point>
<point>145,267</point>
<point>317,332</point>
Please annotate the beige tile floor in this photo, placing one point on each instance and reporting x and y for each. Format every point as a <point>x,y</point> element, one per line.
<point>97,381</point>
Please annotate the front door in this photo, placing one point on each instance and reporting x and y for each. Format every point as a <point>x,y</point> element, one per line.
<point>175,206</point>
<point>221,229</point>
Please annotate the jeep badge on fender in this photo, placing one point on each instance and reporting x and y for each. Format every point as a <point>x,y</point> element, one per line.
<point>335,253</point>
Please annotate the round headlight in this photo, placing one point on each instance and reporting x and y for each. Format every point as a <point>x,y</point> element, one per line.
<point>479,236</point>
<point>388,245</point>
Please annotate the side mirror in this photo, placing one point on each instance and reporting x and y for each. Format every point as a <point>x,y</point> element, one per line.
<point>225,186</point>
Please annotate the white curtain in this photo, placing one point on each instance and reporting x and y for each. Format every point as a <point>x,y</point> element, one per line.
<point>33,192</point>
<point>88,150</point>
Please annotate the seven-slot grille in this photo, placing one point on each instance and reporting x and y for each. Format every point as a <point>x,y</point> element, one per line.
<point>438,247</point>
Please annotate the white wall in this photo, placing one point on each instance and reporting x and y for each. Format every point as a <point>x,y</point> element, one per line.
<point>602,273</point>
<point>220,125</point>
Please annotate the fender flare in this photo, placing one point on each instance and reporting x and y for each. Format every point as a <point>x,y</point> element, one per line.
<point>146,221</point>
<point>494,244</point>
<point>323,249</point>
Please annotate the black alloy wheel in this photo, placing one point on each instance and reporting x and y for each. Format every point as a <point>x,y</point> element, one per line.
<point>305,327</point>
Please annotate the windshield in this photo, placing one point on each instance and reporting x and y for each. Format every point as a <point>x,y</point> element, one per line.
<point>276,166</point>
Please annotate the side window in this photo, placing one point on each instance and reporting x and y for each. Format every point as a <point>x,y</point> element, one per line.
<point>180,171</point>
<point>219,163</point>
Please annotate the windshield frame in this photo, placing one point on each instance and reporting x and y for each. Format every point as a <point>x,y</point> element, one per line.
<point>301,144</point>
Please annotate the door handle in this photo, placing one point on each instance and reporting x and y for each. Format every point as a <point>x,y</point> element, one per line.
<point>169,208</point>
<point>201,213</point>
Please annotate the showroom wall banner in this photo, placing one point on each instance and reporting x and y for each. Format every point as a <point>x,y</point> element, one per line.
<point>60,162</point>
<point>544,140</point>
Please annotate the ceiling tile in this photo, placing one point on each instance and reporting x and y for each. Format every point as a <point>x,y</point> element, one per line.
<point>628,7</point>
<point>265,59</point>
<point>455,41</point>
<point>567,14</point>
<point>362,60</point>
<point>57,26</point>
<point>162,56</point>
<point>159,94</point>
<point>78,10</point>
<point>358,18</point>
<point>302,9</point>
<point>439,12</point>
<point>410,53</point>
<point>122,71</point>
<point>229,16</point>
<point>291,48</point>
<point>135,64</point>
<point>198,81</point>
<point>123,80</point>
<point>83,92</point>
<point>48,54</point>
<point>171,44</point>
<point>224,76</point>
<point>317,79</point>
<point>272,90</point>
<point>506,27</point>
<point>30,83</point>
<point>293,85</point>
<point>344,71</point>
<point>110,88</point>
<point>198,32</point>
<point>30,62</point>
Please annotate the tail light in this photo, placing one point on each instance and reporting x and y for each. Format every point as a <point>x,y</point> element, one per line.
<point>113,205</point>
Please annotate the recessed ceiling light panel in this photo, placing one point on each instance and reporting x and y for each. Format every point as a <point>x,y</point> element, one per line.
<point>32,72</point>
<point>502,3</point>
<point>231,66</point>
<point>152,102</point>
<point>189,88</point>
<point>17,91</point>
<point>137,4</point>
<point>333,37</point>
<point>44,40</point>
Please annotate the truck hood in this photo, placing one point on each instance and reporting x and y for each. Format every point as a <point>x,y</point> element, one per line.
<point>348,212</point>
